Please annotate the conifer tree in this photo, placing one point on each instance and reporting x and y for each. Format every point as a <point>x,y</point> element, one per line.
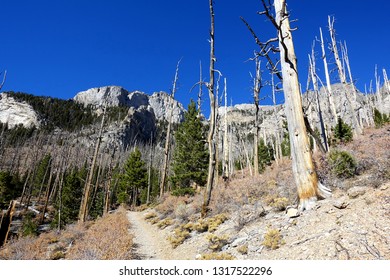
<point>190,159</point>
<point>133,179</point>
<point>265,155</point>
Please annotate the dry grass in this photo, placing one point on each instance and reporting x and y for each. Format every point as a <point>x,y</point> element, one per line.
<point>107,238</point>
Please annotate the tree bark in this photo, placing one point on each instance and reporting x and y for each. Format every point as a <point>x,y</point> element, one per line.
<point>168,136</point>
<point>304,171</point>
<point>328,84</point>
<point>210,137</point>
<point>83,214</point>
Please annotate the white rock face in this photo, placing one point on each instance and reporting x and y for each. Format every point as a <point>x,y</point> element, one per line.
<point>159,101</point>
<point>118,96</point>
<point>15,113</point>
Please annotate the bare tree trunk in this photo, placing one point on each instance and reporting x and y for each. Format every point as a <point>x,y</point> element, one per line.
<point>356,126</point>
<point>316,92</point>
<point>386,81</point>
<point>256,93</point>
<point>225,171</point>
<point>210,138</point>
<point>83,214</point>
<point>168,136</point>
<point>378,90</point>
<point>328,85</point>
<point>5,223</point>
<point>304,171</point>
<point>150,169</point>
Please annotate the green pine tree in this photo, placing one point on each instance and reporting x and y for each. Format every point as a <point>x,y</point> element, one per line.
<point>42,174</point>
<point>71,194</point>
<point>10,188</point>
<point>190,159</point>
<point>265,155</point>
<point>342,132</point>
<point>133,179</point>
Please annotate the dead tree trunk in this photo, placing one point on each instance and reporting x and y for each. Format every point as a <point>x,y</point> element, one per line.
<point>213,116</point>
<point>5,222</point>
<point>356,126</point>
<point>225,170</point>
<point>304,171</point>
<point>83,214</point>
<point>328,85</point>
<point>316,92</point>
<point>168,136</point>
<point>256,93</point>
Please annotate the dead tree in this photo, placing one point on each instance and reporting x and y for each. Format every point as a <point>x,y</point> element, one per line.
<point>213,117</point>
<point>309,188</point>
<point>83,213</point>
<point>356,125</point>
<point>328,84</point>
<point>5,222</point>
<point>378,90</point>
<point>164,170</point>
<point>256,93</point>
<point>225,165</point>
<point>312,69</point>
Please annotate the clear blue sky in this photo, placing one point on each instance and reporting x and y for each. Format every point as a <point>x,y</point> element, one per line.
<point>58,48</point>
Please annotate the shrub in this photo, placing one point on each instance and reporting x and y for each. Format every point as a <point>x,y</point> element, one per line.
<point>165,223</point>
<point>380,119</point>
<point>272,239</point>
<point>183,192</point>
<point>180,234</point>
<point>342,132</point>
<point>217,242</point>
<point>343,164</point>
<point>243,249</point>
<point>217,256</point>
<point>279,203</point>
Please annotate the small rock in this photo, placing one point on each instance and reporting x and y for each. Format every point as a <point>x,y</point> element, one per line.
<point>239,241</point>
<point>355,192</point>
<point>292,213</point>
<point>198,257</point>
<point>340,203</point>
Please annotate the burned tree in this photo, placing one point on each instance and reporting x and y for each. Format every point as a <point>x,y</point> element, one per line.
<point>306,180</point>
<point>213,117</point>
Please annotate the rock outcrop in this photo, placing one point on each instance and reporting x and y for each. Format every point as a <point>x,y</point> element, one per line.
<point>15,113</point>
<point>117,96</point>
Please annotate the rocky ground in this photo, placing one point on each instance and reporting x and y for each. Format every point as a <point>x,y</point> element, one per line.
<point>353,224</point>
<point>350,225</point>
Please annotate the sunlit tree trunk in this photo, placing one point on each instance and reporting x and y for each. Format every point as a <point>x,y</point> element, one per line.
<point>304,171</point>
<point>210,138</point>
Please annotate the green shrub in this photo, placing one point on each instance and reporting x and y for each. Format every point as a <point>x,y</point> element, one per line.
<point>343,164</point>
<point>342,132</point>
<point>183,192</point>
<point>379,118</point>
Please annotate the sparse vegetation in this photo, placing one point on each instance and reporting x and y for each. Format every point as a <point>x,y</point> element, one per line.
<point>272,239</point>
<point>343,164</point>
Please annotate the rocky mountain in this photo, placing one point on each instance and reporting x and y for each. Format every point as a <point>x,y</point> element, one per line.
<point>112,96</point>
<point>14,112</point>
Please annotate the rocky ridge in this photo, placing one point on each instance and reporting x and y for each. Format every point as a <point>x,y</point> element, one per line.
<point>15,113</point>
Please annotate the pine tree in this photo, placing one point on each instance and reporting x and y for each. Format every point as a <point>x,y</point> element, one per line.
<point>190,159</point>
<point>70,197</point>
<point>342,131</point>
<point>265,155</point>
<point>133,179</point>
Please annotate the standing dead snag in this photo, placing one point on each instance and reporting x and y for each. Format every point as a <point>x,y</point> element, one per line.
<point>168,137</point>
<point>213,117</point>
<point>83,214</point>
<point>343,79</point>
<point>306,180</point>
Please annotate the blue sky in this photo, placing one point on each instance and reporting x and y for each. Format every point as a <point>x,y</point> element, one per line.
<point>58,48</point>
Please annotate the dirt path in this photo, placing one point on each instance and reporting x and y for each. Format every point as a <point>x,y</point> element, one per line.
<point>152,244</point>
